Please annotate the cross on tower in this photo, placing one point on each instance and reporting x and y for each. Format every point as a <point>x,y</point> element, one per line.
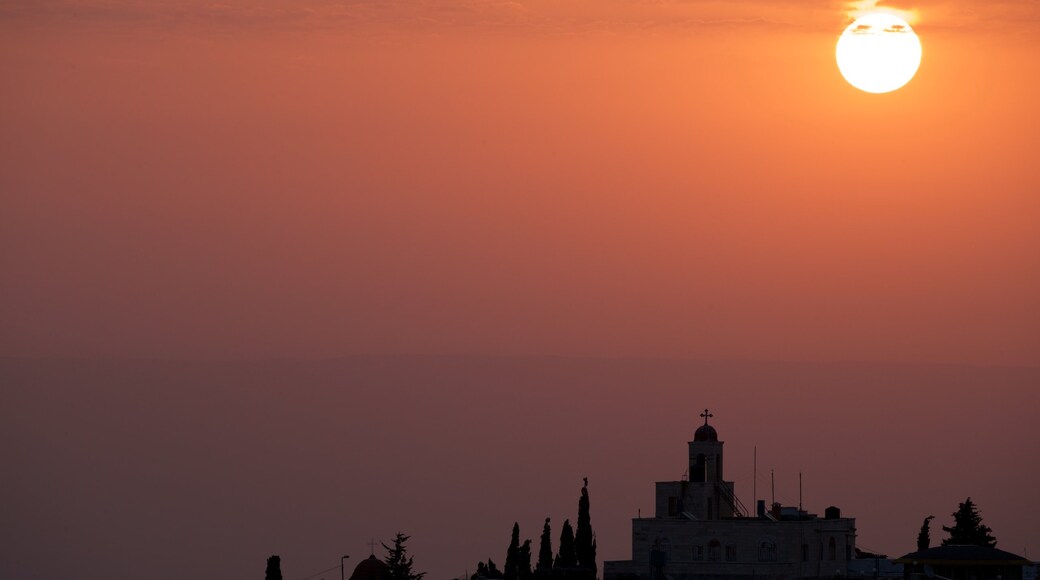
<point>706,414</point>
<point>372,546</point>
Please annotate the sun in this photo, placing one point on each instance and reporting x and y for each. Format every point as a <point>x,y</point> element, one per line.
<point>878,53</point>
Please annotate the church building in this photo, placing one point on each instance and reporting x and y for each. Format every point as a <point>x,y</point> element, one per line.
<point>701,531</point>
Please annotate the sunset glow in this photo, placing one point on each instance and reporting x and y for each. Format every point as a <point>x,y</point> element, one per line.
<point>288,277</point>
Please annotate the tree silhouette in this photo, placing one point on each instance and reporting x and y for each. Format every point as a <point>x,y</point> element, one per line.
<point>488,571</point>
<point>274,568</point>
<point>566,557</point>
<point>924,537</point>
<point>545,554</point>
<point>523,562</point>
<point>968,528</point>
<point>513,554</point>
<point>584,543</point>
<point>398,561</point>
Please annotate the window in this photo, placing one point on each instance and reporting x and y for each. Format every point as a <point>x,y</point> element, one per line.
<point>805,552</point>
<point>848,550</point>
<point>832,550</point>
<point>714,549</point>
<point>698,553</point>
<point>731,553</point>
<point>698,469</point>
<point>767,551</point>
<point>673,506</point>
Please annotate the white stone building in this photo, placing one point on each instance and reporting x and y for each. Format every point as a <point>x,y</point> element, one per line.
<point>701,531</point>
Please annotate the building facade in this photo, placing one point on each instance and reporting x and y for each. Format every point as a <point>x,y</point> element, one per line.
<point>700,531</point>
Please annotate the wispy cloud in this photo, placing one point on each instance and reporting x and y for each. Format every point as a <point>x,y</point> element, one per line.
<point>544,15</point>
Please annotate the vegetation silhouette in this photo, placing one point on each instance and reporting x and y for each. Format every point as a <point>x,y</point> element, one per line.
<point>575,560</point>
<point>489,571</point>
<point>523,565</point>
<point>513,554</point>
<point>968,529</point>
<point>584,538</point>
<point>567,557</point>
<point>545,553</point>
<point>274,568</point>
<point>399,562</point>
<point>924,537</point>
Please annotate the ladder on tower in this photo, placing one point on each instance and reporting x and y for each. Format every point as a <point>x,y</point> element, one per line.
<point>738,507</point>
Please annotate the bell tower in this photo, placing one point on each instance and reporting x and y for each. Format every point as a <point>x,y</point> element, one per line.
<point>707,495</point>
<point>706,454</point>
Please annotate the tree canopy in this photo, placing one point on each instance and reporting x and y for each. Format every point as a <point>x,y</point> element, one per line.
<point>924,537</point>
<point>274,568</point>
<point>399,562</point>
<point>489,571</point>
<point>566,557</point>
<point>523,562</point>
<point>545,553</point>
<point>968,528</point>
<point>584,542</point>
<point>513,554</point>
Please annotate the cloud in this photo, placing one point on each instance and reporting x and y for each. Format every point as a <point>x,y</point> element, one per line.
<point>858,8</point>
<point>551,16</point>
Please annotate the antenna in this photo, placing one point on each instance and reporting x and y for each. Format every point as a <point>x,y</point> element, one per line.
<point>799,494</point>
<point>772,485</point>
<point>754,481</point>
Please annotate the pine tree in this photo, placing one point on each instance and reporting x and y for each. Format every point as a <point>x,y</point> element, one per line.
<point>513,554</point>
<point>968,528</point>
<point>274,568</point>
<point>492,570</point>
<point>566,557</point>
<point>924,538</point>
<point>523,562</point>
<point>399,562</point>
<point>583,541</point>
<point>545,554</point>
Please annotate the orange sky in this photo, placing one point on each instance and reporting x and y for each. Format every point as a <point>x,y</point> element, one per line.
<point>688,179</point>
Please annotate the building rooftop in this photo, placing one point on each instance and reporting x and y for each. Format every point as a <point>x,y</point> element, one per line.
<point>975,555</point>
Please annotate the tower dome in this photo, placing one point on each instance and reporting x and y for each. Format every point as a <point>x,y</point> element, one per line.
<point>706,432</point>
<point>371,568</point>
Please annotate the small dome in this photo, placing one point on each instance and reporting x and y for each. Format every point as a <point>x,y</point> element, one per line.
<point>371,568</point>
<point>706,433</point>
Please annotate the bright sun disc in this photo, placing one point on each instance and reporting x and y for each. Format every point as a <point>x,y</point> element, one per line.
<point>878,53</point>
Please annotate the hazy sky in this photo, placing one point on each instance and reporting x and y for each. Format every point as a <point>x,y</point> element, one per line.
<point>183,469</point>
<point>693,179</point>
<point>595,178</point>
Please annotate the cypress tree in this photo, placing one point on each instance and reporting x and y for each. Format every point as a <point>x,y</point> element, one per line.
<point>968,528</point>
<point>523,562</point>
<point>583,541</point>
<point>545,554</point>
<point>566,557</point>
<point>274,568</point>
<point>513,554</point>
<point>924,537</point>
